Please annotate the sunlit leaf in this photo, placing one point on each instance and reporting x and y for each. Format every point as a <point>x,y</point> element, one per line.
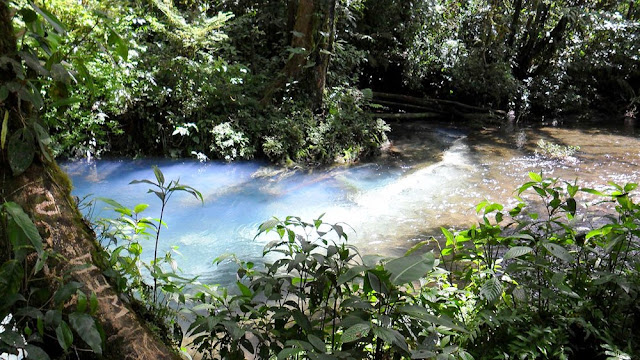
<point>535,177</point>
<point>50,18</point>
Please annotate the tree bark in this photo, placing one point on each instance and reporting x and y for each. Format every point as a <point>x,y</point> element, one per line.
<point>311,45</point>
<point>43,192</point>
<point>513,29</point>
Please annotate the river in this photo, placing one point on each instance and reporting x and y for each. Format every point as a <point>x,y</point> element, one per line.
<point>431,175</point>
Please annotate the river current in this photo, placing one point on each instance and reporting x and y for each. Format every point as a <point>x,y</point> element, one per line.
<point>431,175</point>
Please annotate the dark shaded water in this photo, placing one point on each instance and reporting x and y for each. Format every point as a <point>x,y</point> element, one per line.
<point>430,176</point>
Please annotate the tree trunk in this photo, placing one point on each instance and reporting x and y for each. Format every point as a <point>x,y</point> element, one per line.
<point>43,191</point>
<point>515,21</point>
<point>311,45</point>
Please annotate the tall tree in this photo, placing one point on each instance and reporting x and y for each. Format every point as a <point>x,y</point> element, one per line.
<point>32,179</point>
<point>313,30</point>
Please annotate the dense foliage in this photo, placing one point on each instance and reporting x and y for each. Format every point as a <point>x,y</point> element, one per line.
<point>41,319</point>
<point>540,280</point>
<point>208,104</point>
<point>193,78</point>
<point>197,78</point>
<point>549,58</point>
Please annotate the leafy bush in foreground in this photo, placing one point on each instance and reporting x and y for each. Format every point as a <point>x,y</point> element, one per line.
<point>546,279</point>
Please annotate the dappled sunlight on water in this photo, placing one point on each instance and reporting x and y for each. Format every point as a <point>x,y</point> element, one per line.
<point>429,176</point>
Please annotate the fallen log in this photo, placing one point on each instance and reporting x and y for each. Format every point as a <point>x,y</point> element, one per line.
<point>406,116</point>
<point>404,105</point>
<point>427,102</point>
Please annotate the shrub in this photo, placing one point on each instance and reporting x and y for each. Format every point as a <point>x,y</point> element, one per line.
<point>539,280</point>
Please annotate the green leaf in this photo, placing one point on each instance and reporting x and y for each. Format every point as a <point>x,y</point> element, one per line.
<point>542,192</point>
<point>26,225</point>
<point>391,336</point>
<point>5,130</point>
<point>81,305</point>
<point>592,191</point>
<point>34,63</point>
<point>61,74</point>
<point>288,352</point>
<point>522,236</point>
<point>525,186</point>
<point>233,329</point>
<point>159,175</point>
<point>140,208</point>
<point>93,303</point>
<point>493,207</point>
<point>317,343</point>
<point>535,177</point>
<point>268,225</point>
<point>421,313</point>
<point>558,251</point>
<point>40,325</point>
<point>571,206</point>
<point>35,352</point>
<point>66,101</point>
<point>244,289</point>
<point>50,18</point>
<point>597,232</point>
<point>448,235</point>
<point>491,290</point>
<point>301,319</point>
<point>409,268</point>
<point>355,332</point>
<point>351,273</point>
<point>64,335</point>
<point>28,15</point>
<point>66,291</point>
<point>517,251</point>
<point>10,299</point>
<point>43,139</point>
<point>121,46</point>
<point>111,202</point>
<point>418,246</point>
<point>53,318</point>
<point>11,275</point>
<point>423,354</point>
<point>12,338</point>
<point>86,327</point>
<point>21,149</point>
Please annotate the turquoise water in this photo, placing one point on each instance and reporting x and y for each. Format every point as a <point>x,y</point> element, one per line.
<point>429,176</point>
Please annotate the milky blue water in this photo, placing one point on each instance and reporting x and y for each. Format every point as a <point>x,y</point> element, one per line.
<point>430,176</point>
<point>239,196</point>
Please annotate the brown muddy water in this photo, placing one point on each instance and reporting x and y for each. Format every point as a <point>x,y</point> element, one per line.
<point>482,164</point>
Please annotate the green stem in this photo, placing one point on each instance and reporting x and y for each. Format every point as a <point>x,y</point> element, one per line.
<point>155,252</point>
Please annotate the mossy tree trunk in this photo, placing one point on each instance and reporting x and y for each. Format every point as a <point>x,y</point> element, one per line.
<point>312,33</point>
<point>43,192</point>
